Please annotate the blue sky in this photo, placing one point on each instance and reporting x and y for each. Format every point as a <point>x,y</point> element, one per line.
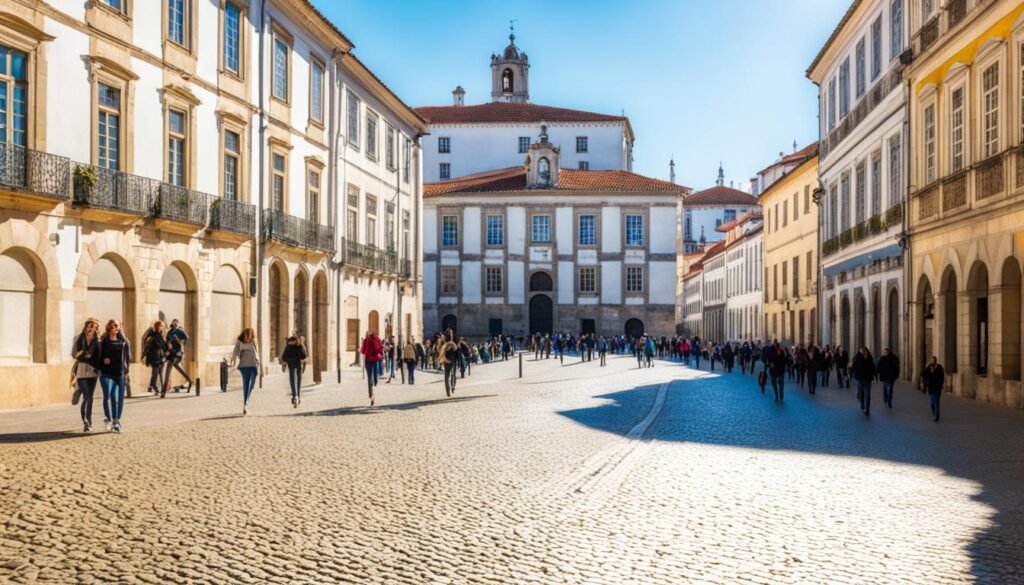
<point>703,81</point>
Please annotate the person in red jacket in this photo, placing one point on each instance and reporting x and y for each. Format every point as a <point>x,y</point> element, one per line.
<point>373,353</point>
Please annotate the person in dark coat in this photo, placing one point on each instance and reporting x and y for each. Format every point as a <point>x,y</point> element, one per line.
<point>154,351</point>
<point>292,357</point>
<point>888,373</point>
<point>934,379</point>
<point>826,371</point>
<point>777,370</point>
<point>842,360</point>
<point>803,363</point>
<point>814,365</point>
<point>863,370</point>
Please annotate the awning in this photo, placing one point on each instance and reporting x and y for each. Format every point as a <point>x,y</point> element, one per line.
<point>890,251</point>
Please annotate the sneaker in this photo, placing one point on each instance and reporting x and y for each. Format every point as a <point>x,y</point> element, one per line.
<point>117,427</point>
<point>86,428</point>
<point>108,424</point>
<point>294,405</point>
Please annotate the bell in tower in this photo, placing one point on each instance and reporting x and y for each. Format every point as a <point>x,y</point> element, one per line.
<point>510,74</point>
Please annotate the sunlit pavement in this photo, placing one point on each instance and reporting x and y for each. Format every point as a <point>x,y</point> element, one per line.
<point>572,474</point>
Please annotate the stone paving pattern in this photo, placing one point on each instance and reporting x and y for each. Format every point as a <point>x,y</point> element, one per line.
<point>518,481</point>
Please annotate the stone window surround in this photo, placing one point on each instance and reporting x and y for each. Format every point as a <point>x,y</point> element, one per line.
<point>493,211</point>
<point>441,292</point>
<point>243,40</point>
<point>350,190</point>
<point>279,147</point>
<point>552,232</point>
<point>928,100</point>
<point>642,212</point>
<point>181,99</point>
<point>354,102</point>
<point>279,33</point>
<point>987,57</point>
<point>372,212</point>
<point>577,213</point>
<point>442,213</point>
<point>27,38</point>
<point>578,281</point>
<point>484,268</point>
<point>228,122</point>
<point>317,60</point>
<point>372,150</point>
<point>643,281</point>
<point>314,164</point>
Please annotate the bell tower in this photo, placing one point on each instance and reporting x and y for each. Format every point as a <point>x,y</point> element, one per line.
<point>510,73</point>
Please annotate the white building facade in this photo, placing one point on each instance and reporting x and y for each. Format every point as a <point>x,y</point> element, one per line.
<point>540,248</point>
<point>862,168</point>
<point>705,211</point>
<point>743,275</point>
<point>467,139</point>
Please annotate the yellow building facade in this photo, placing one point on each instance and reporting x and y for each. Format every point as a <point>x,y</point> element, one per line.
<point>791,255</point>
<point>967,195</point>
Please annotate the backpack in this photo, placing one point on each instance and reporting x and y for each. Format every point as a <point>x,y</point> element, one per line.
<point>450,353</point>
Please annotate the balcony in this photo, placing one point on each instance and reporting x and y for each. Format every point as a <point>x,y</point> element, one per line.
<point>972,188</point>
<point>114,191</point>
<point>297,232</point>
<point>370,257</point>
<point>35,173</point>
<point>865,105</point>
<point>874,225</point>
<point>232,216</point>
<point>182,205</point>
<point>950,17</point>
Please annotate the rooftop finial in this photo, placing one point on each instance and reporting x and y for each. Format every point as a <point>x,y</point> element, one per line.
<point>672,169</point>
<point>512,30</point>
<point>721,175</point>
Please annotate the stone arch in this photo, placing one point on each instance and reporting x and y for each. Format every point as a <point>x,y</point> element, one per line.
<point>892,315</point>
<point>300,302</point>
<point>227,307</point>
<point>978,317</point>
<point>374,322</point>
<point>450,322</point>
<point>924,323</point>
<point>278,281</point>
<point>110,293</point>
<point>23,307</point>
<point>1010,297</point>
<point>947,318</point>
<point>321,302</point>
<point>541,281</point>
<point>844,320</point>
<point>860,307</point>
<point>876,320</point>
<point>178,299</point>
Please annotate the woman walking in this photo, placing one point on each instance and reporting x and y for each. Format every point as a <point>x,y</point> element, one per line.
<point>292,357</point>
<point>115,355</point>
<point>86,352</point>
<point>409,357</point>
<point>247,357</point>
<point>373,353</point>
<point>154,352</point>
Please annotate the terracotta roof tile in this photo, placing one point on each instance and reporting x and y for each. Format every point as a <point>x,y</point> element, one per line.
<point>514,179</point>
<point>795,158</point>
<point>505,112</point>
<point>721,195</point>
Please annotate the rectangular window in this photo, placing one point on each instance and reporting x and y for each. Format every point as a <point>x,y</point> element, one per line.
<point>587,230</point>
<point>13,96</point>
<point>895,168</point>
<point>785,275</point>
<point>371,135</point>
<point>371,221</point>
<point>807,199</point>
<point>449,280</point>
<point>796,276</point>
<point>389,147</point>
<point>494,284</point>
<point>729,215</point>
<point>232,38</point>
<point>844,196</point>
<point>232,156</point>
<point>861,56</point>
<point>316,90</point>
<point>929,144</point>
<point>832,90</point>
<point>634,279</point>
<point>876,48</point>
<point>352,215</point>
<point>796,206</point>
<point>444,145</point>
<point>928,9</point>
<point>445,171</point>
<point>524,144</point>
<point>861,186</point>
<point>810,269</point>
<point>449,231</point>
<point>785,213</point>
<point>581,144</point>
<point>876,183</point>
<point>176,150</point>
<point>177,18</point>
<point>117,5</point>
<point>108,139</point>
<point>389,227</point>
<point>495,230</point>
<point>540,229</point>
<point>406,160</point>
<point>406,234</point>
<point>353,119</point>
<point>313,196</point>
<point>278,181</point>
<point>584,165</point>
<point>634,230</point>
<point>588,280</point>
<point>956,129</point>
<point>280,69</point>
<point>844,88</point>
<point>896,28</point>
<point>990,110</point>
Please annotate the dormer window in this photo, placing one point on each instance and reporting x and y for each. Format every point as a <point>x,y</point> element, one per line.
<point>544,171</point>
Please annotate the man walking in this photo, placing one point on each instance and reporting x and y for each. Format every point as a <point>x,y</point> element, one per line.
<point>777,370</point>
<point>842,360</point>
<point>449,356</point>
<point>176,340</point>
<point>934,379</point>
<point>863,371</point>
<point>888,372</point>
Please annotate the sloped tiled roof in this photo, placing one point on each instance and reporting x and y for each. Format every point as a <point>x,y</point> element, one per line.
<point>514,179</point>
<point>795,158</point>
<point>725,227</point>
<point>505,112</point>
<point>721,195</point>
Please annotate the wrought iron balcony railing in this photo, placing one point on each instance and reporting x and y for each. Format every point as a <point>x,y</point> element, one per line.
<point>181,204</point>
<point>298,232</point>
<point>31,171</point>
<point>114,190</point>
<point>373,258</point>
<point>232,216</point>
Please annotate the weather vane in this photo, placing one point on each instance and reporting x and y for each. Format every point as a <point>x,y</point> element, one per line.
<point>512,28</point>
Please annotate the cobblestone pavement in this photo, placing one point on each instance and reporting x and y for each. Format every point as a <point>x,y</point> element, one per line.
<point>574,474</point>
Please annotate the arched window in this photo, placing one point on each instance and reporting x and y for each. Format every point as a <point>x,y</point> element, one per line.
<point>22,308</point>
<point>506,81</point>
<point>544,170</point>
<point>541,282</point>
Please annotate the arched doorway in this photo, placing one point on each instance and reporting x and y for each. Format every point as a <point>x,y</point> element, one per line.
<point>300,316</point>
<point>876,321</point>
<point>977,317</point>
<point>450,322</point>
<point>110,294</point>
<point>844,321</point>
<point>541,314</point>
<point>541,282</point>
<point>22,308</point>
<point>1010,322</point>
<point>277,294</point>
<point>178,301</point>
<point>949,322</point>
<point>375,322</point>
<point>893,305</point>
<point>634,328</point>
<point>320,301</point>
<point>227,307</point>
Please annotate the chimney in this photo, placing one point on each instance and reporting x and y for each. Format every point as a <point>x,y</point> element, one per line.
<point>458,96</point>
<point>731,185</point>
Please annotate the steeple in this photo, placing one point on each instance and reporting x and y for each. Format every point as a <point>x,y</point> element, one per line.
<point>510,72</point>
<point>721,175</point>
<point>672,170</point>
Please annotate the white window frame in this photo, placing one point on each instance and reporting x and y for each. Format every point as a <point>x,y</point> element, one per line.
<point>494,230</point>
<point>990,110</point>
<point>957,129</point>
<point>634,279</point>
<point>494,280</point>
<point>450,227</point>
<point>929,138</point>
<point>540,228</point>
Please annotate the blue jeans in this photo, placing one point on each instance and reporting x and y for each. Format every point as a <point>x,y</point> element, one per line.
<point>113,388</point>
<point>779,386</point>
<point>372,373</point>
<point>249,374</point>
<point>87,386</point>
<point>106,401</point>
<point>411,366</point>
<point>887,393</point>
<point>934,398</point>
<point>295,379</point>
<point>864,395</point>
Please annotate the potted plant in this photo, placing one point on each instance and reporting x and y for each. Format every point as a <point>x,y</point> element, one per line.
<point>85,180</point>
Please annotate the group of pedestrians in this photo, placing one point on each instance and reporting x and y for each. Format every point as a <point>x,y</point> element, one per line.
<point>101,358</point>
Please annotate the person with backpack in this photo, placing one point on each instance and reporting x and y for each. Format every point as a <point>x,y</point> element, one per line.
<point>888,373</point>
<point>86,352</point>
<point>449,358</point>
<point>463,357</point>
<point>114,359</point>
<point>176,340</point>
<point>373,352</point>
<point>154,352</point>
<point>863,370</point>
<point>293,357</point>
<point>602,350</point>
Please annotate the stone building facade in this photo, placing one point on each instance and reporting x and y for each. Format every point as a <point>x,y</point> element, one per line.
<point>145,176</point>
<point>967,196</point>
<point>744,256</point>
<point>541,248</point>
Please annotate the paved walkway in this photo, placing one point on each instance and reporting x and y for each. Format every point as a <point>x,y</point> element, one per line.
<point>573,474</point>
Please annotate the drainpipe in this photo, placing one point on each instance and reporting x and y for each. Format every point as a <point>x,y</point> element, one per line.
<point>396,228</point>
<point>260,251</point>
<point>417,195</point>
<point>904,238</point>
<point>343,139</point>
<point>332,202</point>
<point>820,192</point>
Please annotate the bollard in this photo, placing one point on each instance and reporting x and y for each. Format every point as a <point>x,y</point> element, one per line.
<point>520,365</point>
<point>199,385</point>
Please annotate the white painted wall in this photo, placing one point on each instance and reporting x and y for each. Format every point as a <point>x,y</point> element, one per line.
<point>149,121</point>
<point>472,290</point>
<point>661,283</point>
<point>564,229</point>
<point>566,283</point>
<point>471,230</point>
<point>429,282</point>
<point>663,230</point>
<point>611,283</point>
<point>611,230</point>
<point>431,239</point>
<point>516,218</point>
<point>67,117</point>
<point>516,284</point>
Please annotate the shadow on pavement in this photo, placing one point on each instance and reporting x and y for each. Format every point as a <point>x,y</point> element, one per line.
<point>401,406</point>
<point>43,437</point>
<point>975,441</point>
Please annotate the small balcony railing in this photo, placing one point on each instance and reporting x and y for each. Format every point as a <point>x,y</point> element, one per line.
<point>956,10</point>
<point>369,257</point>
<point>405,269</point>
<point>233,216</point>
<point>181,204</point>
<point>114,190</point>
<point>928,34</point>
<point>297,232</point>
<point>954,191</point>
<point>989,177</point>
<point>860,112</point>
<point>31,171</point>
